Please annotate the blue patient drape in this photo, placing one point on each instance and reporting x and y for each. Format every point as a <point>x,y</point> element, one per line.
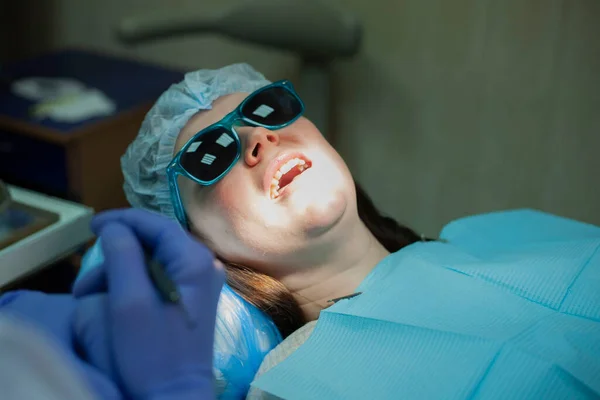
<point>508,308</point>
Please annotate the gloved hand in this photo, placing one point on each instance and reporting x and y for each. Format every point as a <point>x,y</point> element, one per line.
<point>130,331</point>
<point>53,315</point>
<point>50,312</point>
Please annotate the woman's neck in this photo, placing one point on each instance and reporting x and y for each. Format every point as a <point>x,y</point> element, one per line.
<point>347,264</point>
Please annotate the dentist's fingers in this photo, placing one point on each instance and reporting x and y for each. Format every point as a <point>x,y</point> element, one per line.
<point>127,277</point>
<point>92,282</point>
<point>183,256</point>
<point>149,227</point>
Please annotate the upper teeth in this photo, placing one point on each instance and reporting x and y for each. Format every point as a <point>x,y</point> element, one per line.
<point>284,169</point>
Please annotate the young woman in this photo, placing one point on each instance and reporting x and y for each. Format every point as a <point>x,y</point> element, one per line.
<point>232,158</point>
<point>277,203</point>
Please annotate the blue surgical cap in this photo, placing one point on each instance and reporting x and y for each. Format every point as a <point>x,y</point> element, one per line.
<point>145,162</point>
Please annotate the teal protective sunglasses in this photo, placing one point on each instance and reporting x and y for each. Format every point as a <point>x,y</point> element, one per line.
<point>211,153</point>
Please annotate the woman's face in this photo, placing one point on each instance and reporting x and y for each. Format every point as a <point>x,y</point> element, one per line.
<point>238,216</point>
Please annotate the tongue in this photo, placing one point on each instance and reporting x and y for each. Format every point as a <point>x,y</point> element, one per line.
<point>287,178</point>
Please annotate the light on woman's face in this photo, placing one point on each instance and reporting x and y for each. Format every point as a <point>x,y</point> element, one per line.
<point>241,218</point>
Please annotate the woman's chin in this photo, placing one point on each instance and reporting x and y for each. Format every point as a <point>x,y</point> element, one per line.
<point>316,200</point>
<point>324,213</point>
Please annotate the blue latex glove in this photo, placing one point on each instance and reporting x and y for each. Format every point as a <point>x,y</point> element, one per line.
<point>53,315</point>
<point>129,331</point>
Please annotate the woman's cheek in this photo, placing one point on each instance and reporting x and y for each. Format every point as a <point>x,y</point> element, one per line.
<point>232,190</point>
<point>225,194</point>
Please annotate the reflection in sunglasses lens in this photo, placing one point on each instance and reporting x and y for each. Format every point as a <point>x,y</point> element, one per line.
<point>210,155</point>
<point>272,107</point>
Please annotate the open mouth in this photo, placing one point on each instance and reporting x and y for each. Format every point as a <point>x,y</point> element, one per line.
<point>286,173</point>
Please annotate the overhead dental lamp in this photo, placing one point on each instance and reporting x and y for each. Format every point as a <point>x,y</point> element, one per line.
<point>317,32</point>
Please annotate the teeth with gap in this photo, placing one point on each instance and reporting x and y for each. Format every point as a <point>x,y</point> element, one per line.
<point>284,169</point>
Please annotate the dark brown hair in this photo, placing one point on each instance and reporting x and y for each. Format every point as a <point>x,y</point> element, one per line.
<point>274,299</point>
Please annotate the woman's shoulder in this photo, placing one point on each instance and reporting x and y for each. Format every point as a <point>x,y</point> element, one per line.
<point>278,354</point>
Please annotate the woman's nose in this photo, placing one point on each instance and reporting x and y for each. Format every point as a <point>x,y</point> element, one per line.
<point>259,140</point>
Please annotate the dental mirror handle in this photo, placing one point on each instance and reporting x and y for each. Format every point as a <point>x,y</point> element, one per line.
<point>164,285</point>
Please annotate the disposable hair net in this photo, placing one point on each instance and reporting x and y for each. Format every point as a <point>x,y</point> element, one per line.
<point>243,334</point>
<point>145,162</point>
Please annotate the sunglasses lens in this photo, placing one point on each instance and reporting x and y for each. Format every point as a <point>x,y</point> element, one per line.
<point>210,155</point>
<point>272,107</point>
